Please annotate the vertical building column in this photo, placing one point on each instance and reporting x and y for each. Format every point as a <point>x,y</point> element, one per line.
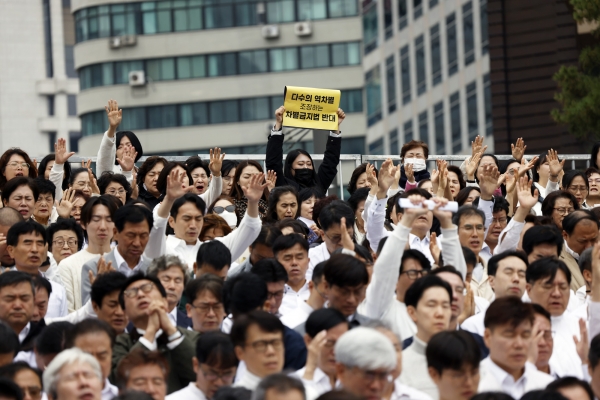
<point>61,111</point>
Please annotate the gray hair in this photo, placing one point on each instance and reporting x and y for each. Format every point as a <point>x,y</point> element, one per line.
<point>281,383</point>
<point>66,357</point>
<point>163,263</point>
<point>366,349</point>
<point>380,325</point>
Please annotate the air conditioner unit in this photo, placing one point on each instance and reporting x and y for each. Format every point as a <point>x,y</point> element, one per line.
<point>129,40</point>
<point>270,31</point>
<point>303,28</point>
<point>114,42</point>
<point>137,78</point>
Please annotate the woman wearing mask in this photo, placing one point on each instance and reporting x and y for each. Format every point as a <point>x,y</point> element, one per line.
<point>224,207</point>
<point>299,171</point>
<point>414,168</point>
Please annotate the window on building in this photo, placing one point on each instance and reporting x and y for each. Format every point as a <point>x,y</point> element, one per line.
<point>408,131</point>
<point>452,44</point>
<point>345,54</point>
<point>468,34</point>
<point>72,105</point>
<point>283,59</point>
<point>255,109</point>
<point>281,11</point>
<point>433,3</point>
<point>223,111</point>
<point>388,19</point>
<point>402,14</point>
<point>487,91</point>
<point>193,114</point>
<point>308,10</point>
<point>390,77</point>
<point>162,69</point>
<point>342,8</point>
<point>370,33</point>
<point>394,147</point>
<point>438,121</point>
<point>314,56</point>
<point>423,127</point>
<point>455,122</point>
<point>222,64</point>
<point>417,9</point>
<point>350,101</point>
<point>136,119</point>
<point>218,15</point>
<point>436,55</point>
<point>472,110</point>
<point>483,16</point>
<point>420,59</point>
<point>253,61</point>
<point>376,147</point>
<point>373,88</point>
<point>405,73</point>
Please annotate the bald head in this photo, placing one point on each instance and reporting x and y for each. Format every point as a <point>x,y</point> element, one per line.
<point>8,217</point>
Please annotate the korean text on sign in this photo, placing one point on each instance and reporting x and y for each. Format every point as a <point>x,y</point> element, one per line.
<point>311,108</point>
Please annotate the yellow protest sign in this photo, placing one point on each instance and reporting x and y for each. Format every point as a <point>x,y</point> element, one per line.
<point>311,108</point>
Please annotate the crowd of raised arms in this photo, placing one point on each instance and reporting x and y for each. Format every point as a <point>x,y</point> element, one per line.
<point>216,279</point>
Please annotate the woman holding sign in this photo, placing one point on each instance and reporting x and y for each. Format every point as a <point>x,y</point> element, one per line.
<point>299,169</point>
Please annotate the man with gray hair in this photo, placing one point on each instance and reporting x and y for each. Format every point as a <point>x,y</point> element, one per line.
<point>365,360</point>
<point>174,275</point>
<point>73,374</point>
<point>278,386</point>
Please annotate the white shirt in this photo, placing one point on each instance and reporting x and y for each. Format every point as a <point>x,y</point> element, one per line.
<point>57,303</point>
<point>87,311</point>
<point>474,324</point>
<point>173,316</point>
<point>248,381</point>
<point>154,346</point>
<point>320,382</point>
<point>292,299</point>
<point>298,316</point>
<point>109,391</point>
<point>564,353</point>
<point>24,332</point>
<point>190,392</point>
<point>421,245</point>
<point>316,255</point>
<point>494,378</point>
<point>69,270</point>
<point>404,392</point>
<point>122,265</point>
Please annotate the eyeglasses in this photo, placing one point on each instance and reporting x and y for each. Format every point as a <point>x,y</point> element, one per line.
<point>206,307</point>
<point>261,345</point>
<point>548,335</point>
<point>499,221</point>
<point>114,192</point>
<point>576,189</point>
<point>145,288</point>
<point>219,209</point>
<point>16,164</point>
<point>226,377</point>
<point>414,273</point>
<point>276,295</point>
<point>61,243</point>
<point>564,211</point>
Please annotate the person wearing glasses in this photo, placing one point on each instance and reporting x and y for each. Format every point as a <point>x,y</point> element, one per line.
<point>365,362</point>
<point>144,300</point>
<point>258,341</point>
<point>115,185</point>
<point>215,364</point>
<point>593,178</point>
<point>224,207</point>
<point>576,183</point>
<point>205,303</point>
<point>65,238</point>
<point>15,162</point>
<point>557,205</point>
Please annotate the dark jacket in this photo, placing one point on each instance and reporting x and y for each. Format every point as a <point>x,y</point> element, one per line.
<point>295,350</point>
<point>324,176</point>
<point>183,320</point>
<point>35,328</point>
<point>419,176</point>
<point>144,195</point>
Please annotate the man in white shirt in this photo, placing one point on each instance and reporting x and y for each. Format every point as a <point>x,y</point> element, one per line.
<point>174,275</point>
<point>506,273</point>
<point>258,340</point>
<point>96,338</point>
<point>580,231</point>
<point>184,212</point>
<point>292,252</point>
<point>215,364</point>
<point>131,231</point>
<point>26,244</point>
<point>16,305</point>
<point>96,219</point>
<point>548,282</point>
<point>316,300</point>
<point>508,335</point>
<point>214,258</point>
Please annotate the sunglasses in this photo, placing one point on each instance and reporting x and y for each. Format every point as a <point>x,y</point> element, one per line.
<point>219,209</point>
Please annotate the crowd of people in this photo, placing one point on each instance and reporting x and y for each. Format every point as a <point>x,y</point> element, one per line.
<point>218,279</point>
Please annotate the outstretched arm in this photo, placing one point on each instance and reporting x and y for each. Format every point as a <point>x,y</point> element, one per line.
<point>107,151</point>
<point>274,156</point>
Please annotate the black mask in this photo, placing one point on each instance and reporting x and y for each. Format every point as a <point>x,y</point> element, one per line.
<point>303,176</point>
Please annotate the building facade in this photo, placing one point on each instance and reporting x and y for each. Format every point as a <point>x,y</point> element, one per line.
<point>427,74</point>
<point>214,71</point>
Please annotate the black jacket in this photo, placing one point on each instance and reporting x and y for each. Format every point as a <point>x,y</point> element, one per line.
<point>143,194</point>
<point>419,176</point>
<point>324,176</point>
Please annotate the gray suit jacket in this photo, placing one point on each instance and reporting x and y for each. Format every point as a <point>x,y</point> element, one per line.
<point>86,287</point>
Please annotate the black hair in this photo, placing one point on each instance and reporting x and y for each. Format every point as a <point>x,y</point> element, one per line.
<point>550,201</point>
<point>41,282</point>
<point>76,172</point>
<point>467,211</point>
<point>358,196</point>
<point>13,278</point>
<point>215,254</point>
<point>594,352</point>
<point>133,395</point>
<point>419,286</point>
<point>568,382</point>
<point>108,177</point>
<point>496,396</point>
<point>66,169</point>
<point>594,155</point>
<point>416,255</point>
<point>493,262</point>
<point>265,321</point>
<point>285,242</point>
<point>447,268</point>
<point>17,182</point>
<point>134,215</point>
<point>135,142</point>
<point>45,187</point>
<point>570,175</point>
<point>461,180</point>
<point>358,171</point>
<point>64,225</point>
<point>276,193</point>
<point>227,166</point>
<point>243,293</point>
<point>380,247</point>
<point>585,260</point>
<point>270,270</point>
<point>363,252</point>
<point>10,371</point>
<point>322,320</point>
<point>9,341</point>
<point>546,269</point>
<point>23,228</point>
<point>161,182</point>
<point>196,162</point>
<point>297,226</point>
<point>209,282</point>
<point>463,194</point>
<point>105,284</point>
<point>106,200</point>
<point>508,310</point>
<point>500,204</point>
<point>188,198</point>
<point>53,338</point>
<point>571,220</point>
<point>280,383</point>
<point>452,350</point>
<point>232,393</point>
<point>289,160</point>
<point>537,309</point>
<point>140,277</point>
<point>87,326</point>
<point>542,234</point>
<point>307,193</point>
<point>342,270</point>
<point>147,167</point>
<point>470,257</point>
<point>317,275</point>
<point>333,213</point>
<point>216,349</point>
<point>267,236</point>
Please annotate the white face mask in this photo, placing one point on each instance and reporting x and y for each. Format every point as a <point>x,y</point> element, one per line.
<point>417,163</point>
<point>229,217</point>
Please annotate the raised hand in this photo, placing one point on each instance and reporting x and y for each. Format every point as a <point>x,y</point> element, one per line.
<point>411,214</point>
<point>477,146</point>
<point>347,242</point>
<point>434,248</point>
<point>469,305</point>
<point>410,175</point>
<point>216,161</point>
<point>128,161</point>
<point>255,189</point>
<point>510,181</point>
<point>134,186</point>
<point>555,166</point>
<point>582,344</point>
<point>65,206</point>
<point>435,180</point>
<point>442,182</point>
<point>371,176</point>
<point>314,354</point>
<point>387,174</point>
<point>526,166</point>
<point>60,151</point>
<point>271,179</point>
<point>341,116</point>
<point>518,149</point>
<point>536,334</point>
<point>93,183</point>
<point>526,199</point>
<point>177,185</point>
<point>279,117</point>
<point>114,114</point>
<point>472,165</point>
<point>489,182</point>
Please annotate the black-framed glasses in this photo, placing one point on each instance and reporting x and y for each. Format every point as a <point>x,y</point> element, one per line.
<point>211,375</point>
<point>219,209</point>
<point>206,307</point>
<point>414,273</point>
<point>261,345</point>
<point>145,288</point>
